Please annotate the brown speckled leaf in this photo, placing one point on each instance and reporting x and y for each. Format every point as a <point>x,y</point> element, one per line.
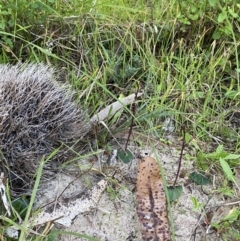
<point>151,202</point>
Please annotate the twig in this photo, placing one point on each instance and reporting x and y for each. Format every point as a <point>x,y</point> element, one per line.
<point>80,175</point>
<point>134,109</point>
<point>181,154</point>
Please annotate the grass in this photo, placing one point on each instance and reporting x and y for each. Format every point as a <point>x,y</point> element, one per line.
<point>184,57</point>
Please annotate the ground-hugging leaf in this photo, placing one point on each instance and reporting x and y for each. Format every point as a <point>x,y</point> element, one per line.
<point>125,156</point>
<point>200,178</point>
<point>20,205</point>
<point>174,192</point>
<point>151,202</point>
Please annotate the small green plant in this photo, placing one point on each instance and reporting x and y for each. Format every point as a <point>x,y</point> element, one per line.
<point>220,158</point>
<point>228,226</point>
<point>112,190</point>
<point>197,206</point>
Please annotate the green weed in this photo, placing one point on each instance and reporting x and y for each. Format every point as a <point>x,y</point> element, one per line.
<point>220,159</point>
<point>228,226</point>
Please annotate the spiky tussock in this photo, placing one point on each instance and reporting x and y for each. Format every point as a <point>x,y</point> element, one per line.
<point>37,115</point>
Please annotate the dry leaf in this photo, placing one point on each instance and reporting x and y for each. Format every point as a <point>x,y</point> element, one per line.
<point>151,202</point>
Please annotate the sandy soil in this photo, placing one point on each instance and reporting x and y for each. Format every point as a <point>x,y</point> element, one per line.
<point>114,217</point>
